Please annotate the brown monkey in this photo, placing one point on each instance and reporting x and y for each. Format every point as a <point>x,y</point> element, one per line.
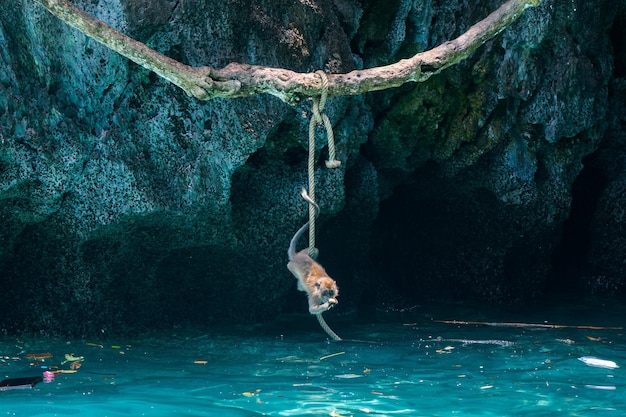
<point>312,278</point>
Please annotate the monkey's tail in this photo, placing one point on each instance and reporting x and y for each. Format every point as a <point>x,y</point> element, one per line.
<point>294,241</point>
<point>309,200</point>
<point>327,329</point>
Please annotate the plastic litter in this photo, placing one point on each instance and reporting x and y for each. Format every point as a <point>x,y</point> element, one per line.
<point>598,363</point>
<point>19,383</point>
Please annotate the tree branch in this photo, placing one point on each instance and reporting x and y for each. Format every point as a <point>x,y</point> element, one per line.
<point>240,80</point>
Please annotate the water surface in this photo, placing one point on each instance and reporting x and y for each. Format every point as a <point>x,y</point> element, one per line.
<point>392,363</point>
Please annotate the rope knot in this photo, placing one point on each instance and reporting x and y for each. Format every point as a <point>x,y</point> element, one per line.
<point>333,164</point>
<point>319,117</point>
<point>324,89</point>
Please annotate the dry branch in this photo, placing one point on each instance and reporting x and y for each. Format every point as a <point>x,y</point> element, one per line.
<point>240,80</point>
<point>537,325</point>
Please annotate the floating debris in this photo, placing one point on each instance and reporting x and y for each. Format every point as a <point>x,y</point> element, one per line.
<point>594,339</point>
<point>539,325</point>
<point>48,376</point>
<point>602,387</point>
<point>478,342</point>
<point>38,356</point>
<point>348,376</point>
<point>69,357</point>
<point>200,362</point>
<point>598,363</point>
<point>19,383</point>
<point>331,355</point>
<point>447,349</point>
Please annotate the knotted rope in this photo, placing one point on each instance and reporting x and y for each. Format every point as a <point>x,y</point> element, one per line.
<point>319,117</point>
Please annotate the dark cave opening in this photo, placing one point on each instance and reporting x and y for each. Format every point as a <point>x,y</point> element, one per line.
<point>618,41</point>
<point>417,236</point>
<point>569,258</point>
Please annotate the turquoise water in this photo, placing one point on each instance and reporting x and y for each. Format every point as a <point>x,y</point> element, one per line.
<point>398,363</point>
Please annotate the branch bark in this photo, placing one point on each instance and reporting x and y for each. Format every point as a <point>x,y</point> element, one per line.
<point>241,80</point>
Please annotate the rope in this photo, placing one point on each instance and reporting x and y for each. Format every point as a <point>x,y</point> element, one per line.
<point>327,329</point>
<point>311,168</point>
<point>319,117</point>
<point>332,162</point>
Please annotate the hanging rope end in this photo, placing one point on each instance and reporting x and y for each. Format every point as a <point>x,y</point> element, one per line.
<point>327,329</point>
<point>332,164</point>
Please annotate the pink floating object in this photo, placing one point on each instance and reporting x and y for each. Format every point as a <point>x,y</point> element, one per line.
<point>48,376</point>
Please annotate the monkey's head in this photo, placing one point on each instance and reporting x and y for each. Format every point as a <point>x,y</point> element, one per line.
<point>327,290</point>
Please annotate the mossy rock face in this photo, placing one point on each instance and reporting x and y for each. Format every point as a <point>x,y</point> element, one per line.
<point>441,121</point>
<point>127,205</point>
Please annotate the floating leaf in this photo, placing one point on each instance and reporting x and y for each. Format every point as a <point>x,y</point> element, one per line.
<point>251,393</point>
<point>594,339</point>
<point>39,356</point>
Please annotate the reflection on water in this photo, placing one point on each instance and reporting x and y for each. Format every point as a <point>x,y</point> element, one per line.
<point>416,364</point>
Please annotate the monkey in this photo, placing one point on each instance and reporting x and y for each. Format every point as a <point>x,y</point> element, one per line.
<point>321,290</point>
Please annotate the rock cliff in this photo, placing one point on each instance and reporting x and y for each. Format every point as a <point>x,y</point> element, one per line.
<point>126,204</point>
